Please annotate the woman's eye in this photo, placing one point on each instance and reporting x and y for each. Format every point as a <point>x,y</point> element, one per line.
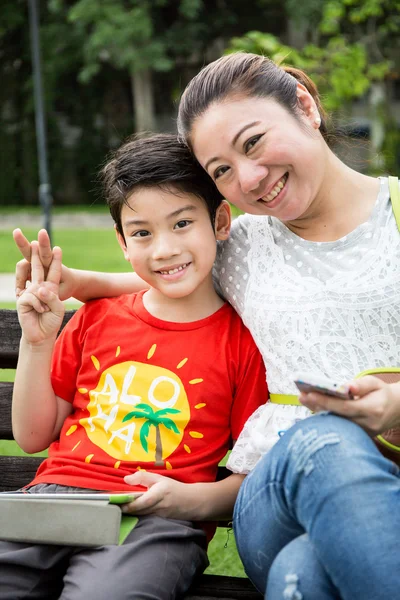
<point>251,143</point>
<point>220,171</point>
<point>182,223</point>
<point>141,234</point>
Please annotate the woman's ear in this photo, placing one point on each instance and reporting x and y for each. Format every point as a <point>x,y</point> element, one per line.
<point>223,219</point>
<point>121,242</point>
<point>307,106</point>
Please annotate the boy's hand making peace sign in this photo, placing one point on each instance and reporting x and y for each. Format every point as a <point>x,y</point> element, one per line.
<point>40,310</point>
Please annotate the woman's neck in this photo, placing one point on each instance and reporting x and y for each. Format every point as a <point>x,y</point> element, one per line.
<point>345,199</point>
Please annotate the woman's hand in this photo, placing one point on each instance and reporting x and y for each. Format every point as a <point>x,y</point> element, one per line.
<point>23,271</point>
<point>376,405</point>
<point>40,311</point>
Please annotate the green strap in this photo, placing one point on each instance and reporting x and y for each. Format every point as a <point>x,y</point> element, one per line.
<point>395,198</point>
<point>284,399</point>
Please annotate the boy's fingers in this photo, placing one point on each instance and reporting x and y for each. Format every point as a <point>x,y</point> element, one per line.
<point>54,274</point>
<point>144,478</point>
<point>36,264</point>
<point>51,300</point>
<point>22,243</point>
<point>22,275</point>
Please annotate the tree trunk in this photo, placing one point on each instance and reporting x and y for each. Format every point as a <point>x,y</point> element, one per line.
<point>142,91</point>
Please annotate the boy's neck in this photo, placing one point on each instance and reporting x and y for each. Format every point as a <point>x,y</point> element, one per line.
<point>202,303</point>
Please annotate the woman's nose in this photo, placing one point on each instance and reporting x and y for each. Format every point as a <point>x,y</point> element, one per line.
<point>250,176</point>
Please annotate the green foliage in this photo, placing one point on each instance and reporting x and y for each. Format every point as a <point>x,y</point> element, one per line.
<point>341,71</point>
<point>345,61</point>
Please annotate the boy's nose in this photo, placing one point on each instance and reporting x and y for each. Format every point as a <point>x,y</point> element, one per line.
<point>164,248</point>
<point>250,176</point>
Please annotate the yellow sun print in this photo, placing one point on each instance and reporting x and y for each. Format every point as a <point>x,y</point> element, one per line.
<point>137,412</point>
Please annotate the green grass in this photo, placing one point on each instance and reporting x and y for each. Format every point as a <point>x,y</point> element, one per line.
<point>100,208</point>
<point>92,249</point>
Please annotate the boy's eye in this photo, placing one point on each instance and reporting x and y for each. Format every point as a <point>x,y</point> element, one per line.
<point>182,223</point>
<point>140,234</point>
<point>220,171</point>
<point>251,143</point>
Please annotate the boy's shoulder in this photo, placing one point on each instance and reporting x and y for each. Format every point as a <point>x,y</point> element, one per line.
<point>100,307</point>
<point>237,333</point>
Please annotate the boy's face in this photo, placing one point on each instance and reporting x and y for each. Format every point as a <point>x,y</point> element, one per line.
<point>169,239</point>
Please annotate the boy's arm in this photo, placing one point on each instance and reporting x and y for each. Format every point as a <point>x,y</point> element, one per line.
<point>83,285</point>
<point>191,501</point>
<point>37,414</point>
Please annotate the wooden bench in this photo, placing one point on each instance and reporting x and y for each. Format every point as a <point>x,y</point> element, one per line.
<point>16,472</point>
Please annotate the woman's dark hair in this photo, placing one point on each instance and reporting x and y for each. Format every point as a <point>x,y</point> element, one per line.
<point>243,74</point>
<point>160,160</point>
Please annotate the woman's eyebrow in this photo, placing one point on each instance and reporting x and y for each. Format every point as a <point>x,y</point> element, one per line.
<point>239,133</point>
<point>234,140</point>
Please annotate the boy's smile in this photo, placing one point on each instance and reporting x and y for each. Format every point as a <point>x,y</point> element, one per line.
<point>171,244</point>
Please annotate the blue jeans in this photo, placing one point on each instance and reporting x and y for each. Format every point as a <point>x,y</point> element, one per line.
<point>319,516</point>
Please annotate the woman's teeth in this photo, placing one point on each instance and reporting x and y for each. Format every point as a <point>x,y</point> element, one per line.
<point>279,186</point>
<point>172,271</point>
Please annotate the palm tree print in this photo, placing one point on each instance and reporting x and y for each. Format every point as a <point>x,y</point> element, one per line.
<point>153,418</point>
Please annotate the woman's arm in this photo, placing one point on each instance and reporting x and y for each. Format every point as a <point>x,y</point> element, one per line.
<point>82,285</point>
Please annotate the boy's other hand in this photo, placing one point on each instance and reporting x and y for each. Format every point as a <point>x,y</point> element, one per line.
<point>40,310</point>
<point>165,497</point>
<point>23,271</point>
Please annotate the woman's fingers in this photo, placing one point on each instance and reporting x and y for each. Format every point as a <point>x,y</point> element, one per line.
<point>45,251</point>
<point>25,247</point>
<point>23,244</point>
<point>54,273</point>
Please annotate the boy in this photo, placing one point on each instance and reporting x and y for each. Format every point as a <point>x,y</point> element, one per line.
<point>146,391</point>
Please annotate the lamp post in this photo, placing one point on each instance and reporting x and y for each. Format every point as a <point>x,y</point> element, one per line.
<point>45,195</point>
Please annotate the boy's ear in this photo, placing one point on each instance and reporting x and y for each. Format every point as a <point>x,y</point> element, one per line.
<point>121,242</point>
<point>223,219</point>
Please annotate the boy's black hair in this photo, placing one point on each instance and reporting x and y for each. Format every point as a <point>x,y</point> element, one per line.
<point>160,160</point>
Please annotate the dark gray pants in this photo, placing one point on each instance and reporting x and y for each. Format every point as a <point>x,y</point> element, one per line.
<point>158,560</point>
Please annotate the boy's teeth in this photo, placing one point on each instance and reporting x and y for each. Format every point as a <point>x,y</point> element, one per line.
<point>279,186</point>
<point>172,271</point>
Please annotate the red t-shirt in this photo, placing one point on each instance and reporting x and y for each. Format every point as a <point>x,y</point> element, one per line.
<point>149,394</point>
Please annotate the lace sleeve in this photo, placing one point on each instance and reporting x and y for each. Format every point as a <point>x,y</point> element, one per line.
<point>231,271</point>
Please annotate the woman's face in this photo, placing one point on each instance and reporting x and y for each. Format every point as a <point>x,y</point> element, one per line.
<point>262,158</point>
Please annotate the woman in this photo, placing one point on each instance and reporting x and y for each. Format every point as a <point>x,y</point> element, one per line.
<point>314,271</point>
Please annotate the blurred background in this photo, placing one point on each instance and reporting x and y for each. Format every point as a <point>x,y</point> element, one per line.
<point>113,67</point>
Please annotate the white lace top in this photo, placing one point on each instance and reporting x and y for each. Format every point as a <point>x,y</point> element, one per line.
<point>329,308</point>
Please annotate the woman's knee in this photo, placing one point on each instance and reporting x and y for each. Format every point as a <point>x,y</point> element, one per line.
<point>297,574</point>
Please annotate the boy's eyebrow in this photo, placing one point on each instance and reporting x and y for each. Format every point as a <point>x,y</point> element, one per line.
<point>175,213</point>
<point>234,140</point>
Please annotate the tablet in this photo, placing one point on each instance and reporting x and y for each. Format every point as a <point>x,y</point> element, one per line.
<point>111,497</point>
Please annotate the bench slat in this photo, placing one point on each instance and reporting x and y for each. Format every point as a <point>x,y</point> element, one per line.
<point>10,334</point>
<point>17,471</point>
<point>210,587</point>
<point>6,390</point>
